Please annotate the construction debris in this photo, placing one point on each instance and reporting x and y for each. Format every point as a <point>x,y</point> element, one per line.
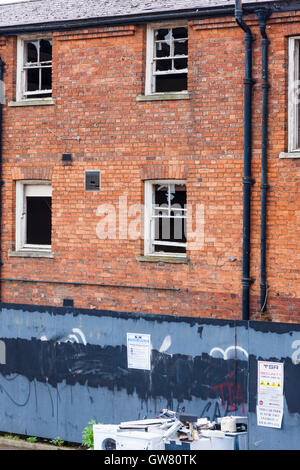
<point>173,431</point>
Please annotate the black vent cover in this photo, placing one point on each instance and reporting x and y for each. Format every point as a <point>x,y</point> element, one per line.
<point>92,180</point>
<point>68,303</point>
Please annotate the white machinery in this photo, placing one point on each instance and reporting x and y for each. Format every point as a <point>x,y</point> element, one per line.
<point>171,431</point>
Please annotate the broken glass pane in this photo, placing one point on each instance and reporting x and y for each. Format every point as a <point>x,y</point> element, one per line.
<point>33,79</point>
<point>163,65</point>
<point>160,194</point>
<point>32,52</point>
<point>181,48</point>
<point>179,33</point>
<point>180,64</point>
<point>45,50</point>
<point>162,35</point>
<point>162,49</point>
<point>46,78</point>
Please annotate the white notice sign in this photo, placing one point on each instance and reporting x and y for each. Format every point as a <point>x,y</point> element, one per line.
<point>269,407</point>
<point>270,377</point>
<point>138,351</point>
<point>269,416</point>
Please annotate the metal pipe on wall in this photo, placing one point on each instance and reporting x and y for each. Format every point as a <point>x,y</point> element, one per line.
<point>247,179</point>
<point>1,104</point>
<point>263,15</point>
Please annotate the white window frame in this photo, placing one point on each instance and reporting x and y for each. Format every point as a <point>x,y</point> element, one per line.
<point>149,81</point>
<point>23,189</point>
<point>294,95</point>
<point>149,219</point>
<point>21,93</point>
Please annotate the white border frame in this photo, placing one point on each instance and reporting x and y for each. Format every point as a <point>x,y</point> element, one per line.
<point>20,63</point>
<point>149,56</point>
<point>148,219</point>
<point>44,187</point>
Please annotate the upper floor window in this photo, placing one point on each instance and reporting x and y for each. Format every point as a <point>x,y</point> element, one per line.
<point>34,74</point>
<point>167,58</point>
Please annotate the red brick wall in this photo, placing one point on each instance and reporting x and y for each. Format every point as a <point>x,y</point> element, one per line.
<point>97,76</point>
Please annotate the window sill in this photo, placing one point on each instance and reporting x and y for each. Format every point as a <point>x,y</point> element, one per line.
<point>294,154</point>
<point>163,259</point>
<point>164,97</point>
<point>37,102</point>
<point>31,254</point>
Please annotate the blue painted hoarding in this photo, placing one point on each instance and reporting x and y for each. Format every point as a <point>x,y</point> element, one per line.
<point>62,367</point>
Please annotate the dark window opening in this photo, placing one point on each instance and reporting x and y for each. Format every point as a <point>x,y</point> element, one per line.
<point>45,50</point>
<point>169,83</point>
<point>38,218</point>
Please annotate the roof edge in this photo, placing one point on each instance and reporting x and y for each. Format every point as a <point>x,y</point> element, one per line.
<point>65,25</point>
<point>117,20</point>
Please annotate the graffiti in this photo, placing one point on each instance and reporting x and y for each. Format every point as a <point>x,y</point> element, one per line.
<point>166,344</point>
<point>76,336</point>
<point>225,354</point>
<point>231,394</point>
<point>12,385</point>
<point>296,354</point>
<point>2,352</point>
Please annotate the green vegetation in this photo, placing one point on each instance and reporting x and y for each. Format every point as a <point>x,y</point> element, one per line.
<point>57,442</point>
<point>88,436</point>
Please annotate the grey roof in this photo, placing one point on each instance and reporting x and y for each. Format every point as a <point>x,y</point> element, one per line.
<point>47,11</point>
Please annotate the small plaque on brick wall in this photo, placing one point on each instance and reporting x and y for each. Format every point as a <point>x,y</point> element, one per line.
<point>92,180</point>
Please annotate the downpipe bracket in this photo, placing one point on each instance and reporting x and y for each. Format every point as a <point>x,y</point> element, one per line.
<point>247,180</point>
<point>247,281</point>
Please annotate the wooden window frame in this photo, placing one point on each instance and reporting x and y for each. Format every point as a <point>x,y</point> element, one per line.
<point>149,82</point>
<point>149,217</point>
<point>21,93</point>
<point>23,189</point>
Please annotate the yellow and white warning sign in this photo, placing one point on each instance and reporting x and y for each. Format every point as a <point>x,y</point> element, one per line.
<point>270,377</point>
<point>270,399</point>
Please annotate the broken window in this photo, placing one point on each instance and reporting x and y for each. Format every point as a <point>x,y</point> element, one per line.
<point>33,216</point>
<point>167,59</point>
<point>165,230</point>
<point>35,79</point>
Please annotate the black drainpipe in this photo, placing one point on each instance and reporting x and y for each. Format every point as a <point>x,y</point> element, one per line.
<point>1,103</point>
<point>263,15</point>
<point>247,179</point>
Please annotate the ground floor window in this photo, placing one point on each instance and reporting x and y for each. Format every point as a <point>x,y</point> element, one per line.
<point>165,218</point>
<point>33,215</point>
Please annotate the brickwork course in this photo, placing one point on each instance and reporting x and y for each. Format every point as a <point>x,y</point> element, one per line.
<point>98,73</point>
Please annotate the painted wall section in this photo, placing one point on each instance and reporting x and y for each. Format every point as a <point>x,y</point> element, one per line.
<point>62,367</point>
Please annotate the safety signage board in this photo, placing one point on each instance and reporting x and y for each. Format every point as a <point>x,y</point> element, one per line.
<point>270,397</point>
<point>270,377</point>
<point>138,351</point>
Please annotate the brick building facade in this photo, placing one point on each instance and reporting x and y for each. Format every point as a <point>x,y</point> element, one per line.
<point>99,111</point>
